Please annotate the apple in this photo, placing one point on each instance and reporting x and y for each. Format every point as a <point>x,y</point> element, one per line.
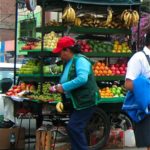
<point>123,65</point>
<point>118,72</point>
<point>116,65</point>
<point>121,95</point>
<point>15,87</point>
<point>123,72</point>
<point>23,86</point>
<point>86,50</point>
<point>17,90</point>
<point>84,42</point>
<point>11,90</point>
<point>121,68</point>
<point>9,93</point>
<point>113,68</point>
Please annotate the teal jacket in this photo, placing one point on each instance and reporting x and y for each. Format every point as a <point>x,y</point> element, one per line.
<point>87,94</point>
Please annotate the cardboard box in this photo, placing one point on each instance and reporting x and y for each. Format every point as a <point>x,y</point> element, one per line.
<point>62,146</point>
<point>45,139</point>
<point>19,138</point>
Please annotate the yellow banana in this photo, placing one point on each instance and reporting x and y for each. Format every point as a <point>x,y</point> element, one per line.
<point>64,15</point>
<point>122,15</point>
<point>135,17</point>
<point>109,17</point>
<point>72,14</point>
<point>68,17</point>
<point>77,22</point>
<point>129,20</point>
<point>59,107</point>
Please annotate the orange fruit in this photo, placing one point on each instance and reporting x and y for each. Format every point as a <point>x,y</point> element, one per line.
<point>97,68</point>
<point>103,64</point>
<point>106,68</point>
<point>98,63</point>
<point>101,67</point>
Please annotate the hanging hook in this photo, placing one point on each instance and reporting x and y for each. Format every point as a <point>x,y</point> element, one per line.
<point>79,6</point>
<point>130,7</point>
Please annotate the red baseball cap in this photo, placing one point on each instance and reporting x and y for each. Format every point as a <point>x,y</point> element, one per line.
<point>64,42</point>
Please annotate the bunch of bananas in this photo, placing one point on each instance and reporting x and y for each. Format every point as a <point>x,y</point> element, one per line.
<point>130,18</point>
<point>90,20</point>
<point>69,14</point>
<point>59,107</point>
<point>53,23</point>
<point>109,17</point>
<point>77,22</point>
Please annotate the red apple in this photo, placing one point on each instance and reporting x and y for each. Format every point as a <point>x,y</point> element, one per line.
<point>116,65</point>
<point>16,90</point>
<point>121,68</point>
<point>86,50</point>
<point>123,65</point>
<point>23,86</point>
<point>118,72</point>
<point>123,72</point>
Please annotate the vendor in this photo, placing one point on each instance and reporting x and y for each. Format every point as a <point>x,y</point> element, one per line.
<point>78,85</point>
<point>139,65</point>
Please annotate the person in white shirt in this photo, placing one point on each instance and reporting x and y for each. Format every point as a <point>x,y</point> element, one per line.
<point>139,64</point>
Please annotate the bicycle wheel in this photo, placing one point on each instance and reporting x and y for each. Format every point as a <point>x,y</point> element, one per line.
<point>97,130</point>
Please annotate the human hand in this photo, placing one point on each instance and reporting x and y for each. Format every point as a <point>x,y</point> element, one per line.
<point>59,88</point>
<point>52,88</point>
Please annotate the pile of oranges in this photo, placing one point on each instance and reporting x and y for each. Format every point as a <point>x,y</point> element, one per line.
<point>106,92</point>
<point>101,69</point>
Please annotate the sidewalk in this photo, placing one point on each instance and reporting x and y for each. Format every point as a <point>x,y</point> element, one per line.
<point>128,149</point>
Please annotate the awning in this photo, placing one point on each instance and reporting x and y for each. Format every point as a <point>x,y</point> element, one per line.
<point>100,2</point>
<point>61,3</point>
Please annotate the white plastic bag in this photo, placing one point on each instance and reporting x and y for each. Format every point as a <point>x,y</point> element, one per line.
<point>129,138</point>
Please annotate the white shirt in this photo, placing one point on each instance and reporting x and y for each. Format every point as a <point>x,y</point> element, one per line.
<point>138,65</point>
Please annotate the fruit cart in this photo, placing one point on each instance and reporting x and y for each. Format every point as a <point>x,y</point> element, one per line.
<point>93,24</point>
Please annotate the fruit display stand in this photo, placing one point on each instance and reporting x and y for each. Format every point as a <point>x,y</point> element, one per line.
<point>108,27</point>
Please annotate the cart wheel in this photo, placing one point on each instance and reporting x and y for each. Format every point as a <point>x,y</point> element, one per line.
<point>98,130</point>
<point>122,121</point>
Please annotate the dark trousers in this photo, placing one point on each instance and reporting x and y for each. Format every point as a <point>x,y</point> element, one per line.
<point>76,128</point>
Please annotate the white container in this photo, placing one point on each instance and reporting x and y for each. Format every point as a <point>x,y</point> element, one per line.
<point>130,138</point>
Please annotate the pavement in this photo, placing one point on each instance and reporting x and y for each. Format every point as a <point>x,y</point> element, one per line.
<point>128,149</point>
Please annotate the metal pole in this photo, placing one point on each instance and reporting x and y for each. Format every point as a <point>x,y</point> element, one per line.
<point>42,45</point>
<point>15,50</point>
<point>138,34</point>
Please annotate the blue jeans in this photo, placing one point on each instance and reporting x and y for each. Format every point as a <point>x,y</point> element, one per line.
<point>76,128</point>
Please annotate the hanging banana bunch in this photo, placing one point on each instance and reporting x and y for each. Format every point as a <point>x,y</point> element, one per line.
<point>135,18</point>
<point>69,14</point>
<point>109,17</point>
<point>130,18</point>
<point>77,22</point>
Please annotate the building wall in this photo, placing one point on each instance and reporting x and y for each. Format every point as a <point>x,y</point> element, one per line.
<point>6,35</point>
<point>7,19</point>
